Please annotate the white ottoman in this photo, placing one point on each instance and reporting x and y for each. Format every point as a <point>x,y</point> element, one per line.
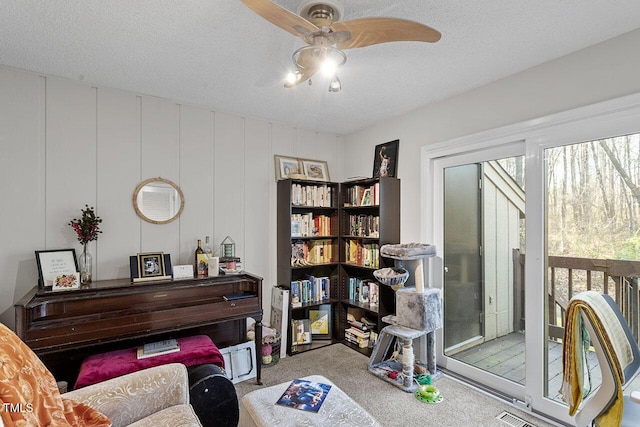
<point>259,408</point>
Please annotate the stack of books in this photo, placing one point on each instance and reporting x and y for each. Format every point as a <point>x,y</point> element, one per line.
<point>358,333</point>
<point>158,348</point>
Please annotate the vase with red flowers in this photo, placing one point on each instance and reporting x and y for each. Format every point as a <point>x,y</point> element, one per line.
<point>87,228</point>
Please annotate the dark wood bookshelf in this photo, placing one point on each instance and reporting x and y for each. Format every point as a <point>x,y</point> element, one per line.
<point>287,273</point>
<point>363,305</point>
<point>301,348</point>
<point>364,350</point>
<point>387,209</point>
<point>339,271</point>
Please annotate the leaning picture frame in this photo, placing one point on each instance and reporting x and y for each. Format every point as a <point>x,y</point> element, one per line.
<point>320,322</point>
<point>286,167</point>
<point>301,332</point>
<point>385,159</point>
<point>54,263</point>
<point>151,264</point>
<point>317,170</point>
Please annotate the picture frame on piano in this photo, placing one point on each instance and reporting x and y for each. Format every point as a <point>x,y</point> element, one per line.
<point>53,263</point>
<point>150,266</point>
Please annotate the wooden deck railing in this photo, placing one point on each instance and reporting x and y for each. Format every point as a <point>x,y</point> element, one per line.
<point>568,276</point>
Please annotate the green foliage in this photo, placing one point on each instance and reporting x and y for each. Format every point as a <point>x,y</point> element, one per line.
<point>630,248</point>
<point>87,227</point>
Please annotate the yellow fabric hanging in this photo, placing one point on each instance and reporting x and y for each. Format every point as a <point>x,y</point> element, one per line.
<point>615,345</point>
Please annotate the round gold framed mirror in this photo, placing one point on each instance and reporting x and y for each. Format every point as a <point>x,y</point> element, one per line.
<point>158,200</point>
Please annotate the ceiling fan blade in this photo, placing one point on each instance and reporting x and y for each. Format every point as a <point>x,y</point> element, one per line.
<point>370,31</point>
<point>309,66</point>
<point>281,17</point>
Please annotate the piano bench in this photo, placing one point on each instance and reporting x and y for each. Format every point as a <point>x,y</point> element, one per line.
<point>195,350</point>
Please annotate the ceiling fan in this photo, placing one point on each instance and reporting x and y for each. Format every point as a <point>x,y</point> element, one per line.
<point>318,24</point>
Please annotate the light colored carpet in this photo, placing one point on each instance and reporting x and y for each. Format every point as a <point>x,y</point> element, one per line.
<point>462,405</point>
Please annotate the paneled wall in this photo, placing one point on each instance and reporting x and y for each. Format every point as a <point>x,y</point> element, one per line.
<point>65,144</point>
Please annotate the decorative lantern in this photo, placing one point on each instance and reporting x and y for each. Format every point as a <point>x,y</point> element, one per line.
<point>228,248</point>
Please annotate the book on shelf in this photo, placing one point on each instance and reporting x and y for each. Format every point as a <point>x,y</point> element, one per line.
<point>358,325</point>
<point>314,252</point>
<point>300,332</point>
<point>358,332</point>
<point>311,195</point>
<point>355,339</point>
<point>362,254</point>
<point>305,395</point>
<point>310,290</point>
<point>360,195</point>
<point>280,315</point>
<point>363,291</point>
<point>157,348</point>
<point>308,225</point>
<point>364,225</point>
<point>374,294</point>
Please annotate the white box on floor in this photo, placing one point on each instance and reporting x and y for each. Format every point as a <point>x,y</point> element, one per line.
<point>240,361</point>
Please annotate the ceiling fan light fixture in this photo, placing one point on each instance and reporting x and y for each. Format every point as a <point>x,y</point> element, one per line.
<point>293,76</point>
<point>329,67</point>
<point>327,53</point>
<point>326,59</point>
<point>335,85</point>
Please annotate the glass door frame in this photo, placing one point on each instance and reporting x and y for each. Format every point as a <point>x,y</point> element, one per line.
<point>605,119</point>
<point>437,167</point>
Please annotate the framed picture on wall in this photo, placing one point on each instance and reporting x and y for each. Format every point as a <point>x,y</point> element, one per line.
<point>385,159</point>
<point>286,166</point>
<point>317,170</point>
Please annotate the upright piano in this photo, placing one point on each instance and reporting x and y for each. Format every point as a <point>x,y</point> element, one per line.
<point>64,327</point>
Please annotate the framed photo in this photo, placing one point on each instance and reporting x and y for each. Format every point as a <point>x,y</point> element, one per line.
<point>385,159</point>
<point>301,332</point>
<point>286,166</point>
<point>320,322</point>
<point>151,264</point>
<point>366,199</point>
<point>54,263</point>
<point>317,170</point>
<point>65,282</point>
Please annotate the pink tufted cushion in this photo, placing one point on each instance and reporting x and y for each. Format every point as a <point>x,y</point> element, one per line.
<point>196,350</point>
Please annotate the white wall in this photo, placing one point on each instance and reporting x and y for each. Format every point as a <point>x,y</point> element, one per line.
<point>65,144</point>
<point>604,71</point>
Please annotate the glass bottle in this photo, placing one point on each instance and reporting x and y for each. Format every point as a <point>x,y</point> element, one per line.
<point>207,247</point>
<point>208,254</point>
<point>199,262</point>
<point>85,264</point>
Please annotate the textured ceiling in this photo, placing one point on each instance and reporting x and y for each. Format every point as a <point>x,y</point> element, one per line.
<point>219,54</point>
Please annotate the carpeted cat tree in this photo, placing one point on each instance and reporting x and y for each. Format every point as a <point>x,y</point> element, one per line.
<point>418,312</point>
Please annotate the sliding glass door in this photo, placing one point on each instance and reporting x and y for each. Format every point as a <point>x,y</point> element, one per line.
<point>511,255</point>
<point>484,298</point>
<point>592,235</point>
<point>482,221</point>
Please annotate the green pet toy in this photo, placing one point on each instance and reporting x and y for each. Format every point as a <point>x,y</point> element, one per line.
<point>428,394</point>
